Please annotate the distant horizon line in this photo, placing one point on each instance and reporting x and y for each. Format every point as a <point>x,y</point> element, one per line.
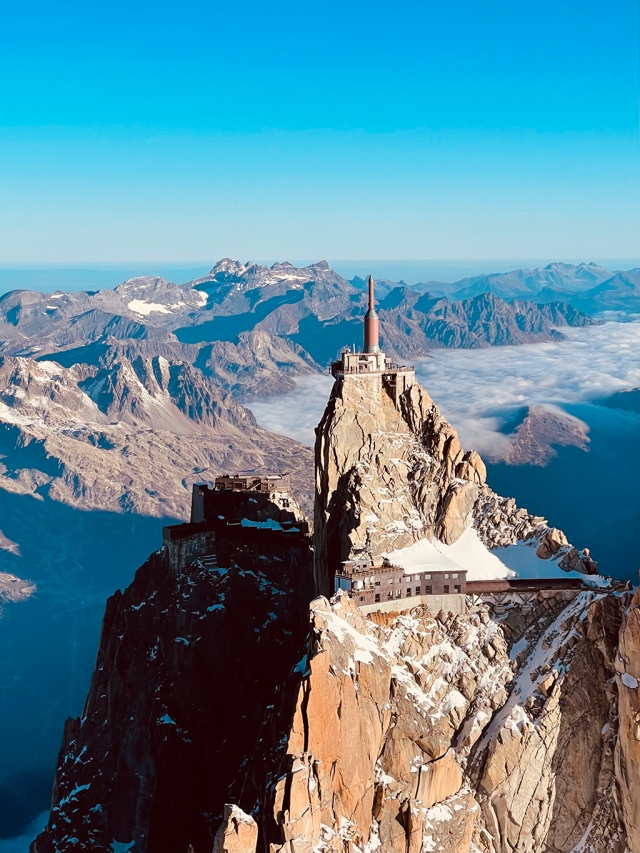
<point>307,261</point>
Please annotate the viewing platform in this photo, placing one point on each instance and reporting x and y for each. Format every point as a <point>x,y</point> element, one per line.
<point>340,368</point>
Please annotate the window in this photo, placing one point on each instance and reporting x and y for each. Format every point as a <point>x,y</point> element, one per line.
<point>398,593</point>
<point>408,591</point>
<point>377,596</point>
<point>427,590</point>
<point>390,594</point>
<point>446,577</point>
<point>426,577</point>
<point>455,577</point>
<point>417,590</point>
<point>456,587</point>
<point>390,580</point>
<point>446,588</point>
<point>377,583</point>
<point>362,598</point>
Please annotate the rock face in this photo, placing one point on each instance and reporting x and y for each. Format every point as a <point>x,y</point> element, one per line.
<point>389,473</point>
<point>370,748</point>
<point>418,733</point>
<point>627,665</point>
<point>228,708</point>
<point>237,834</point>
<point>190,657</point>
<point>129,436</point>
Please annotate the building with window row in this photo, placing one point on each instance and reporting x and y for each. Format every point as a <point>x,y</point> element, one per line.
<point>367,583</point>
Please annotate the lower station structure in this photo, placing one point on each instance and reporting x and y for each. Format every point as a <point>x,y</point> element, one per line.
<point>372,584</point>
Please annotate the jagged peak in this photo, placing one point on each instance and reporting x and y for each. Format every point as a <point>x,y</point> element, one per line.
<point>228,265</point>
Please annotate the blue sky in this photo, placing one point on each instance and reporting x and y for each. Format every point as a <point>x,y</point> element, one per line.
<point>138,130</point>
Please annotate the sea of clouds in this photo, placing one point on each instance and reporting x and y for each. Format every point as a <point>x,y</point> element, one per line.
<point>478,390</point>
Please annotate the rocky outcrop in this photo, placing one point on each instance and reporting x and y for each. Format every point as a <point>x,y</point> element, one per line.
<point>190,658</point>
<point>536,431</point>
<point>627,665</point>
<point>370,758</point>
<point>391,732</point>
<point>418,733</point>
<point>389,473</point>
<point>238,832</point>
<point>13,589</point>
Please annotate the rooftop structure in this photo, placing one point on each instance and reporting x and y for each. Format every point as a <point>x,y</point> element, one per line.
<point>253,483</point>
<point>396,378</point>
<point>240,509</point>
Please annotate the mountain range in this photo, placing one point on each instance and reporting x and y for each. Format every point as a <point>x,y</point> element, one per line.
<point>251,328</point>
<point>113,402</point>
<point>589,287</point>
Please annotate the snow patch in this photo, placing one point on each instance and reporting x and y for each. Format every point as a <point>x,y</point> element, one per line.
<point>269,524</point>
<point>139,306</point>
<point>468,553</point>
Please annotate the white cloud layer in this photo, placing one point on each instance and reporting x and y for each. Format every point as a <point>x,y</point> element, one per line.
<point>297,413</point>
<point>477,389</point>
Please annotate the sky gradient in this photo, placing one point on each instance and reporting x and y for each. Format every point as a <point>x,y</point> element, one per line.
<point>407,130</point>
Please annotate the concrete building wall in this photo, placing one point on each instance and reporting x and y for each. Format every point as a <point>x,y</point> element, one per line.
<point>454,603</point>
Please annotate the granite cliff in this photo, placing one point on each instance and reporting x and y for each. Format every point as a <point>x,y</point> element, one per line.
<point>252,329</point>
<point>391,472</point>
<point>230,710</point>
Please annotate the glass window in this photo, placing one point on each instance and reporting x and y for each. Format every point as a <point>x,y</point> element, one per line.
<point>446,587</point>
<point>427,590</point>
<point>417,590</point>
<point>362,598</point>
<point>377,583</point>
<point>456,588</point>
<point>455,577</point>
<point>408,591</point>
<point>446,577</point>
<point>390,594</point>
<point>377,596</point>
<point>398,593</point>
<point>426,577</point>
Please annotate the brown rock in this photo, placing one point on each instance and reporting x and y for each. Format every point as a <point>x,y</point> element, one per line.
<point>457,515</point>
<point>393,832</point>
<point>551,543</point>
<point>438,780</point>
<point>238,832</point>
<point>628,747</point>
<point>474,459</point>
<point>546,685</point>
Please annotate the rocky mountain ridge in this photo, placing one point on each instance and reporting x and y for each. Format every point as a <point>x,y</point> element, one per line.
<point>413,731</point>
<point>128,436</point>
<point>252,328</point>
